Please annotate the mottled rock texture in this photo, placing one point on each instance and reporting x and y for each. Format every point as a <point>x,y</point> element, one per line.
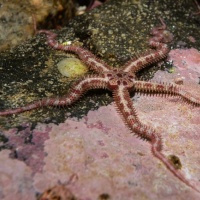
<point>95,145</point>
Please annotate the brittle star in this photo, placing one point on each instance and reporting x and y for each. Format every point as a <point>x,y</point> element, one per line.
<point>121,81</point>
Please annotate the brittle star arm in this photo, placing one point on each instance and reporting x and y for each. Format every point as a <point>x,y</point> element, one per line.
<point>86,56</point>
<point>161,36</point>
<point>91,82</point>
<point>135,65</point>
<point>171,89</point>
<point>125,107</point>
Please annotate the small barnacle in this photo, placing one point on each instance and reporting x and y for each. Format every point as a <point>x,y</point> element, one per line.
<point>104,196</point>
<point>175,161</point>
<point>179,80</point>
<point>71,67</point>
<point>58,192</point>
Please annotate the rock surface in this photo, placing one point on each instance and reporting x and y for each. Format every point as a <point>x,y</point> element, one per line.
<point>107,159</point>
<point>17,18</point>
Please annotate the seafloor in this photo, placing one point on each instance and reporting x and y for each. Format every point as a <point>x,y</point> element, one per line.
<point>89,141</point>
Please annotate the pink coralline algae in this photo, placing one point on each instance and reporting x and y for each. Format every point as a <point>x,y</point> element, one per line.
<point>27,145</point>
<point>15,179</point>
<point>187,61</point>
<point>107,158</point>
<point>110,160</point>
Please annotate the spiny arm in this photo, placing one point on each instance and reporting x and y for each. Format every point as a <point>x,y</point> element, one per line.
<point>86,56</point>
<point>171,89</point>
<point>160,37</point>
<point>124,106</point>
<point>74,94</point>
<point>136,65</point>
